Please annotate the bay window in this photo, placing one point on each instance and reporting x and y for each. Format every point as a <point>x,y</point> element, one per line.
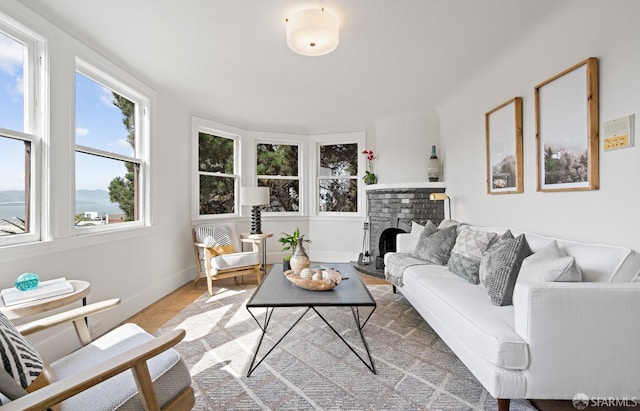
<point>22,85</point>
<point>337,173</point>
<point>111,156</point>
<point>278,168</point>
<point>217,174</point>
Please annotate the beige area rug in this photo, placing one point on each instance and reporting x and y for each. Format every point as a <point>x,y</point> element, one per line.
<point>313,369</point>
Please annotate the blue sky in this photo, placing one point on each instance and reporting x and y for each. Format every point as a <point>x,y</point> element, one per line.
<point>98,125</point>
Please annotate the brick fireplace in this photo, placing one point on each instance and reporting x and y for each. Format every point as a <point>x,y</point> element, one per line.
<point>395,206</point>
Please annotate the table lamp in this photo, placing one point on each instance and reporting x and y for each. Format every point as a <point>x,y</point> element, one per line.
<point>255,197</point>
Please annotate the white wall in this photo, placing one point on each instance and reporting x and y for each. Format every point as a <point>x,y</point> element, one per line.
<point>140,265</point>
<point>581,29</point>
<point>402,143</point>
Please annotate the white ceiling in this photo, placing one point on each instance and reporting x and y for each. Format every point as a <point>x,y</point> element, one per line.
<point>228,59</point>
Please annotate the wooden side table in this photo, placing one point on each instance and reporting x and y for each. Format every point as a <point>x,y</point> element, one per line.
<point>263,246</point>
<point>80,291</point>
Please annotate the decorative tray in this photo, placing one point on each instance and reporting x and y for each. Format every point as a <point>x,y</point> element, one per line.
<point>331,278</point>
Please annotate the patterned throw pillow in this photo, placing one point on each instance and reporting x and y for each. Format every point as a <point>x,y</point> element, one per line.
<point>216,238</point>
<point>483,269</point>
<point>500,266</point>
<point>550,264</point>
<point>436,247</point>
<point>20,359</point>
<point>467,253</point>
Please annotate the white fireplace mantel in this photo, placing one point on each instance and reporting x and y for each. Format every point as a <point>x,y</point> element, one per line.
<point>404,186</point>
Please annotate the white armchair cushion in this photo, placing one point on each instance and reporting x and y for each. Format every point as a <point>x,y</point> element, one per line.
<point>224,261</point>
<point>169,373</point>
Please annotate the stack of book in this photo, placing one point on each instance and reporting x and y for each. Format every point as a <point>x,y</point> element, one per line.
<point>46,289</point>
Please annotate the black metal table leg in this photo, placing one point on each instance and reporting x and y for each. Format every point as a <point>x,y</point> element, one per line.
<point>356,315</point>
<point>264,331</point>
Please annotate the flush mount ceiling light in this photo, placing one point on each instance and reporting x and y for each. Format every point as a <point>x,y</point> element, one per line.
<point>313,32</point>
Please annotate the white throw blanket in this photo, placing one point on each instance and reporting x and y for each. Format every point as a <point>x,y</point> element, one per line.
<point>396,264</point>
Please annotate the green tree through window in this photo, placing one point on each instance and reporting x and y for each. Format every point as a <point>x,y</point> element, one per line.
<point>337,175</point>
<point>277,168</point>
<point>123,190</point>
<point>216,174</point>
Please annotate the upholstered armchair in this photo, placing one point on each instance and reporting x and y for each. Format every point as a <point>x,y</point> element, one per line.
<point>218,252</point>
<point>125,369</point>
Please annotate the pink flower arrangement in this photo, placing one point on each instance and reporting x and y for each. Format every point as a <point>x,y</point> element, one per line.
<point>369,177</point>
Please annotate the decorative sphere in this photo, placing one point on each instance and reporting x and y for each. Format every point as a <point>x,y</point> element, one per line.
<point>27,281</point>
<point>306,273</point>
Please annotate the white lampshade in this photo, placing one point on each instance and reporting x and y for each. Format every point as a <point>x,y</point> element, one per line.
<point>254,196</point>
<point>313,32</point>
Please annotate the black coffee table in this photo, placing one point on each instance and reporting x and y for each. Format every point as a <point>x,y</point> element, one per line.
<point>276,291</point>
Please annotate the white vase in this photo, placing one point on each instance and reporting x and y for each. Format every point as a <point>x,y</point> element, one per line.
<point>300,259</point>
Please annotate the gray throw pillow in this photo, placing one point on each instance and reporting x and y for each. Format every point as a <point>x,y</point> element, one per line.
<point>500,266</point>
<point>467,253</point>
<point>436,247</point>
<point>447,223</point>
<point>550,264</point>
<point>426,231</point>
<point>417,231</point>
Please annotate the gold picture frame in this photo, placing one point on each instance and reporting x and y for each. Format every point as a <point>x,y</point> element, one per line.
<point>503,131</point>
<point>567,129</point>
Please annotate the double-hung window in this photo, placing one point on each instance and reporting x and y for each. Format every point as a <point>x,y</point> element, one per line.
<point>217,173</point>
<point>22,86</point>
<point>277,167</point>
<point>337,173</point>
<point>111,135</point>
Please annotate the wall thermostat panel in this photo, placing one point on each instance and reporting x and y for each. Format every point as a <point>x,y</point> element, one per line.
<point>618,133</point>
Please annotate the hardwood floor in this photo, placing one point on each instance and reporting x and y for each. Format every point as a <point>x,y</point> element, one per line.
<point>158,313</point>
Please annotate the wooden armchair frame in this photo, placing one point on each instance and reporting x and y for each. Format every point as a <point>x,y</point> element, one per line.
<point>212,273</point>
<point>134,359</point>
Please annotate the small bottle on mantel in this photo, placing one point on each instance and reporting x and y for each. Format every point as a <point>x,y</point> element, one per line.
<point>433,166</point>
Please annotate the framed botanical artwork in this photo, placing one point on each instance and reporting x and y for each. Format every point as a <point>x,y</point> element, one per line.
<point>567,123</point>
<point>503,126</point>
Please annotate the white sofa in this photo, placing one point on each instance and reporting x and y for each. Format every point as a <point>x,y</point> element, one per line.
<point>558,339</point>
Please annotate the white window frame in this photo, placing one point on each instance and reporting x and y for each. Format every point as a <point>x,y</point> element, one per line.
<point>35,130</point>
<point>142,146</point>
<point>200,125</point>
<point>332,139</point>
<point>299,177</point>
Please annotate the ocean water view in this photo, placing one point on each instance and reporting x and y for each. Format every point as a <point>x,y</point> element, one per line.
<point>86,201</point>
<point>11,210</point>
